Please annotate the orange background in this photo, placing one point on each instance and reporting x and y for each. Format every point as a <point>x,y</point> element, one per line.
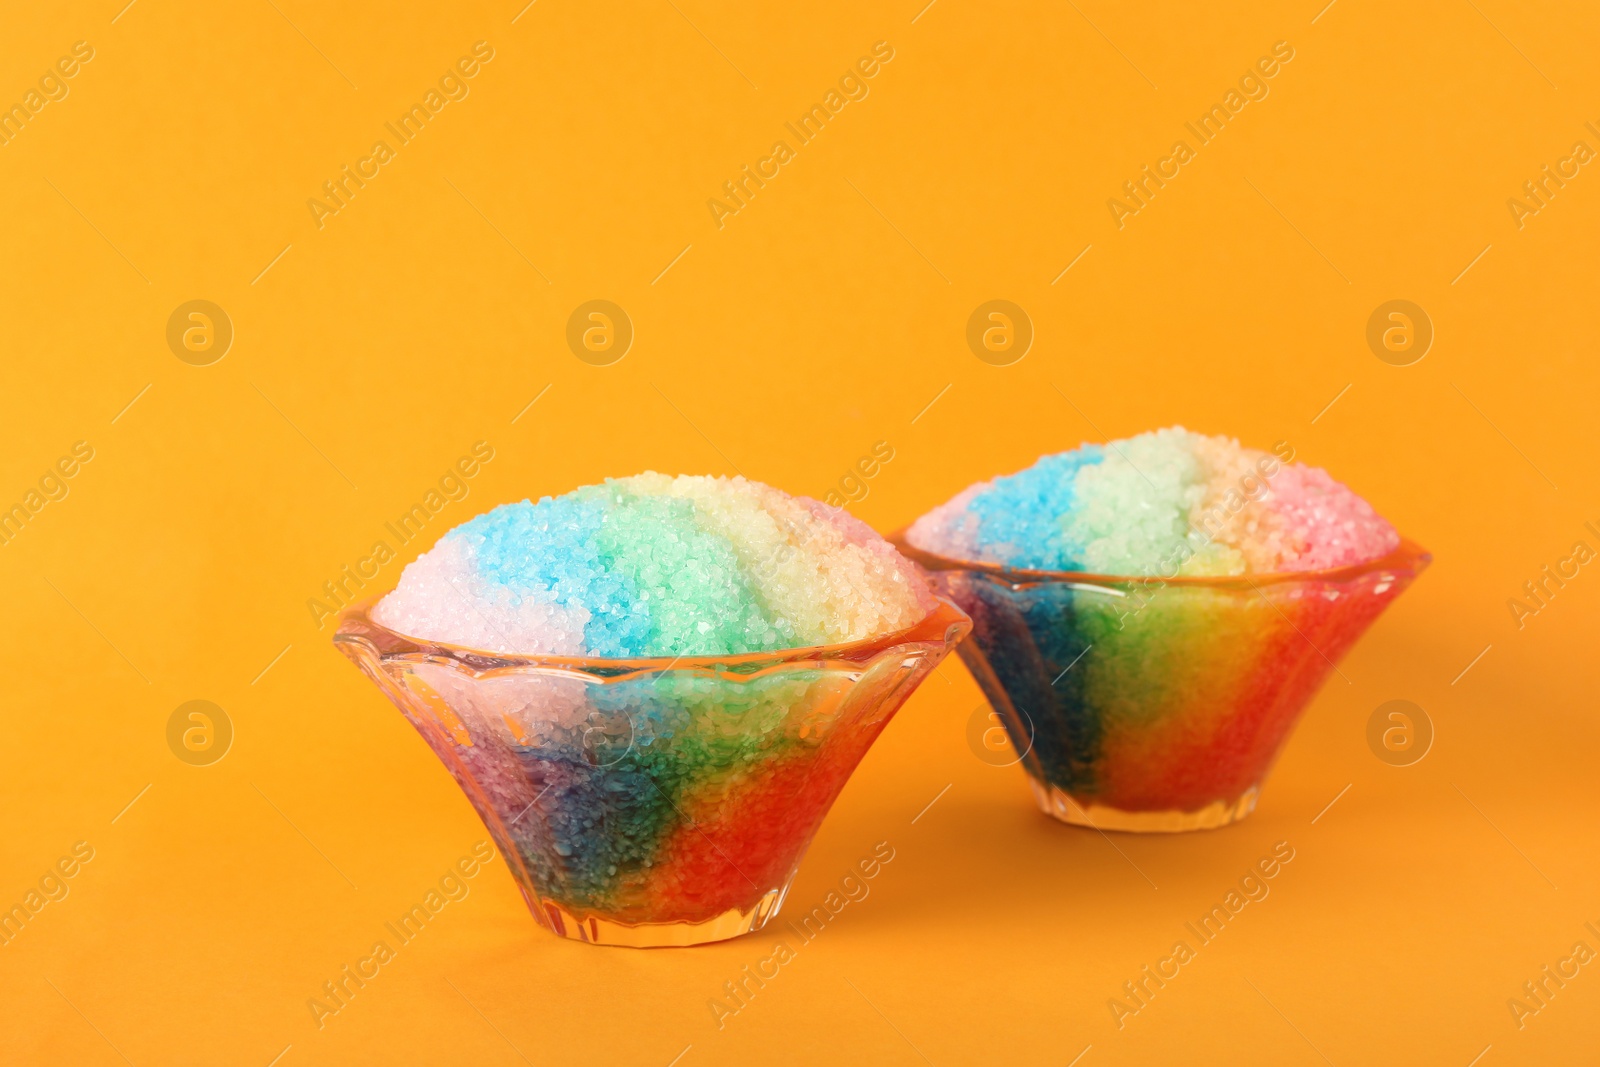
<point>822,318</point>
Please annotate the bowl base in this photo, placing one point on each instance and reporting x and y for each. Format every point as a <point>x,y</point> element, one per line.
<point>1061,805</point>
<point>598,930</point>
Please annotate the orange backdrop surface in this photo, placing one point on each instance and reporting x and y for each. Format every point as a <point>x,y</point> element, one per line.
<point>171,151</point>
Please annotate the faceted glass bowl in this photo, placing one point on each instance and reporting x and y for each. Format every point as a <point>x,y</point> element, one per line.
<point>1142,704</point>
<point>651,802</point>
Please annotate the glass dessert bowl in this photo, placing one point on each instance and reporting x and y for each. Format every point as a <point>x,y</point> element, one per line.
<point>651,801</point>
<point>1152,704</point>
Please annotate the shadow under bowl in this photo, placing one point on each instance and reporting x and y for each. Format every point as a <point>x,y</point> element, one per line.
<point>1137,703</point>
<point>652,801</point>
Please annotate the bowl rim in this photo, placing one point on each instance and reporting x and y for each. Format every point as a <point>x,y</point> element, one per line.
<point>1407,557</point>
<point>944,624</point>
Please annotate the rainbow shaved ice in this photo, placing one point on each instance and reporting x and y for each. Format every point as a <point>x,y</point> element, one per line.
<point>1169,502</point>
<point>1196,595</point>
<point>660,800</point>
<point>658,566</point>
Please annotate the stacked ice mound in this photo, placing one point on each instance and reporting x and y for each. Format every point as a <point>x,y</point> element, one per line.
<point>657,566</point>
<point>1163,503</point>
